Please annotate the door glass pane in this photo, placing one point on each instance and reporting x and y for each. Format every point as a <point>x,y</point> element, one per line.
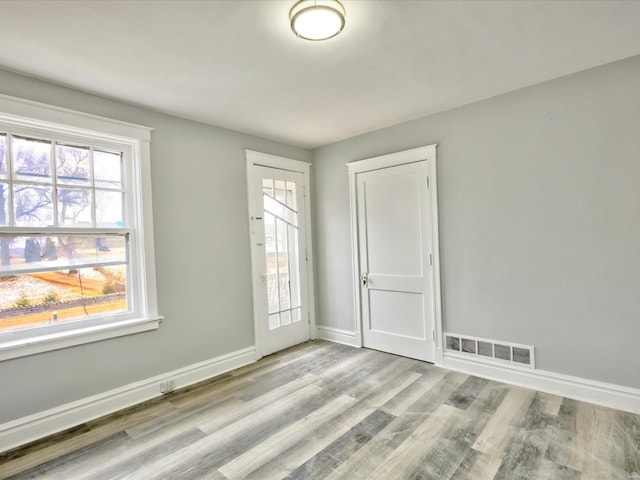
<point>291,196</point>
<point>296,315</point>
<point>267,186</point>
<point>31,159</point>
<point>280,210</point>
<point>280,195</point>
<point>281,252</point>
<point>274,321</point>
<point>294,266</point>
<point>72,165</point>
<point>283,265</point>
<point>272,267</point>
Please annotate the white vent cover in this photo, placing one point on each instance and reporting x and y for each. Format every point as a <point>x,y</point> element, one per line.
<point>492,351</point>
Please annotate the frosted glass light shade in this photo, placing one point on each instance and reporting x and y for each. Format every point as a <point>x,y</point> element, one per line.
<point>317,19</point>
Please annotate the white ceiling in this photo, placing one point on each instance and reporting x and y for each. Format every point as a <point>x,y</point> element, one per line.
<point>236,64</point>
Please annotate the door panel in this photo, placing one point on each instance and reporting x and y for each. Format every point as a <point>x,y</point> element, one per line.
<point>278,238</point>
<point>394,252</point>
<point>392,201</point>
<point>394,313</point>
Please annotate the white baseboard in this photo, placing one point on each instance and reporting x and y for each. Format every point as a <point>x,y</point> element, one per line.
<point>24,430</point>
<point>592,391</point>
<point>338,335</point>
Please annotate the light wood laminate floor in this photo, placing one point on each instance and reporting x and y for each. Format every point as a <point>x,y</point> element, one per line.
<point>323,410</point>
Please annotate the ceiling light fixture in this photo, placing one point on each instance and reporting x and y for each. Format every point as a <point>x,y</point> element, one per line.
<point>317,19</point>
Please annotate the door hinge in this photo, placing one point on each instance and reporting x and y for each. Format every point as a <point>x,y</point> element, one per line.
<point>304,191</point>
<point>433,335</point>
<point>431,259</point>
<point>427,182</point>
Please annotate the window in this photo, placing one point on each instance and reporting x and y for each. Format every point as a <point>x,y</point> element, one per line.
<point>76,244</point>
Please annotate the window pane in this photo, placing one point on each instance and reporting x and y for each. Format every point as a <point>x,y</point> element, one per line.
<point>3,158</point>
<point>74,207</point>
<point>72,165</point>
<point>31,159</point>
<point>107,169</point>
<point>109,209</point>
<point>4,204</point>
<point>35,253</point>
<point>54,296</point>
<point>32,206</point>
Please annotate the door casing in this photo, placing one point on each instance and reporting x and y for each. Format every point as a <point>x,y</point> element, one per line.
<point>254,158</point>
<point>419,154</point>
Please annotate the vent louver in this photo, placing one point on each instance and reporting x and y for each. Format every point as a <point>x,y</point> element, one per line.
<point>492,351</point>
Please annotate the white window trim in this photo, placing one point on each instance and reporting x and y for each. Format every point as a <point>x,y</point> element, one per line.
<point>54,120</point>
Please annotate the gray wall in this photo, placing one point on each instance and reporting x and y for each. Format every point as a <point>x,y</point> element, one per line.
<point>539,204</point>
<point>204,289</point>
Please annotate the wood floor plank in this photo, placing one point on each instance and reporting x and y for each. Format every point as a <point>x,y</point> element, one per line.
<point>628,427</point>
<point>523,456</point>
<point>257,456</point>
<point>93,432</point>
<point>280,359</point>
<point>62,467</point>
<point>235,438</point>
<point>214,422</point>
<point>447,458</point>
<point>467,392</point>
<point>141,446</point>
<point>493,439</point>
<point>598,445</point>
<point>367,459</point>
<point>407,397</point>
<point>322,410</point>
<point>477,465</point>
<point>406,457</point>
<point>121,470</point>
<point>329,458</point>
<point>551,403</point>
<point>391,389</point>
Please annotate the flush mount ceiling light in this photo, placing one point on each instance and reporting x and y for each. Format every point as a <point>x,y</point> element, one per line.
<point>317,19</point>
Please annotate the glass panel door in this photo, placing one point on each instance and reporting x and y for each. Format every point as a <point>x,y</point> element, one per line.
<point>278,224</point>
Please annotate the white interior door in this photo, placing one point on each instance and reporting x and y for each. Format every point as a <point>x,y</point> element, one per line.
<point>278,235</point>
<point>395,260</point>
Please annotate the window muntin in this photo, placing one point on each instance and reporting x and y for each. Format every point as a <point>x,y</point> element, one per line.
<point>86,183</point>
<point>65,239</point>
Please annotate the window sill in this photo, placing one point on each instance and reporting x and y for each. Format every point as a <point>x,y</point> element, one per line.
<point>79,336</point>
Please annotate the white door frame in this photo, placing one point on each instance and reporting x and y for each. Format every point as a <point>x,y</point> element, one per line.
<point>427,153</point>
<point>265,160</point>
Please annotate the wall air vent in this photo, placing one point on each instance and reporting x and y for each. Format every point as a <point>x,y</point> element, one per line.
<point>490,351</point>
